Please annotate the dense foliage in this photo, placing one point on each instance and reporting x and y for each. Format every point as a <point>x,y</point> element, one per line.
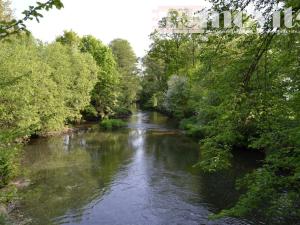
<point>126,63</point>
<point>105,94</point>
<point>43,88</point>
<point>117,81</point>
<point>236,91</point>
<point>109,124</point>
<point>46,87</point>
<point>232,91</point>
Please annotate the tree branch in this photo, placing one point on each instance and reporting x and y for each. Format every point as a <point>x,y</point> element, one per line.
<point>16,26</point>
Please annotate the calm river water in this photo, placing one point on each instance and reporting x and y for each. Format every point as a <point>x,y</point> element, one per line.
<point>140,175</point>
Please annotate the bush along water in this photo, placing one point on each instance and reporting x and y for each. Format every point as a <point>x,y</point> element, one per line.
<point>109,124</point>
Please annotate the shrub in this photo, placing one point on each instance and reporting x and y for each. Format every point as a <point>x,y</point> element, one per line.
<point>8,164</point>
<point>192,127</point>
<point>90,113</point>
<point>108,124</point>
<point>177,96</point>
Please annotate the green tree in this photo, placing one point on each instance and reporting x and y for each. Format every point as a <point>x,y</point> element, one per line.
<point>127,66</point>
<point>169,55</point>
<point>243,94</point>
<point>177,96</point>
<point>105,94</point>
<point>69,38</point>
<point>43,88</point>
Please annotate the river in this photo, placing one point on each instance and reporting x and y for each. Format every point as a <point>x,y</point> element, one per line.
<point>139,175</point>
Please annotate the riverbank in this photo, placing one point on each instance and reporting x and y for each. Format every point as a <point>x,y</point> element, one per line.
<point>143,174</point>
<point>9,198</point>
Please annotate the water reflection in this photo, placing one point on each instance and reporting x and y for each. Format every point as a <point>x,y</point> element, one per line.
<point>140,175</point>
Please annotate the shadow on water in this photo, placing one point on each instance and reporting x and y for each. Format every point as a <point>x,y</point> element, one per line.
<point>139,175</point>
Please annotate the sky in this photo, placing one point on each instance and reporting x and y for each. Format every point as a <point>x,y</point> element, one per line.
<point>133,20</point>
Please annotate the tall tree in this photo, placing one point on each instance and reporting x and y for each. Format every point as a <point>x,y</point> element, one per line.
<point>105,94</point>
<point>43,88</point>
<point>70,38</point>
<point>124,55</point>
<point>127,67</point>
<point>243,94</point>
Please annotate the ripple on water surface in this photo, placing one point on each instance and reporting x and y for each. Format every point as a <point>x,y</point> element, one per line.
<point>139,175</point>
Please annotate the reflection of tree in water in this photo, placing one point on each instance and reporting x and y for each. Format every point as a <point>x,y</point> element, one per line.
<point>147,169</point>
<point>219,189</point>
<point>174,159</point>
<point>71,171</point>
<point>172,150</point>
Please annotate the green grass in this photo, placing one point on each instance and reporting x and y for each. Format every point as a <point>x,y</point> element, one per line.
<point>109,124</point>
